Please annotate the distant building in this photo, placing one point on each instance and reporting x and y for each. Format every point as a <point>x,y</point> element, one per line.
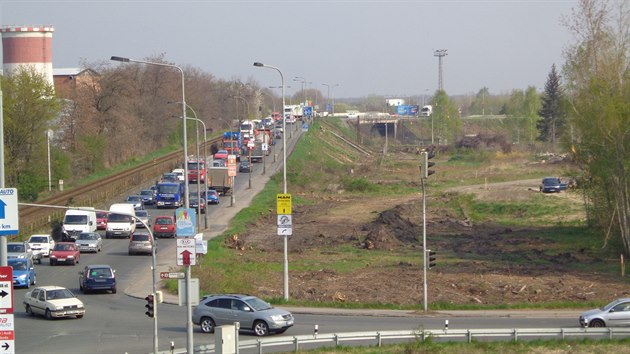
<point>27,46</point>
<point>68,81</point>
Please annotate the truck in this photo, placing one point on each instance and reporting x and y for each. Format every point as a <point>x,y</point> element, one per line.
<point>426,111</point>
<point>78,221</point>
<point>233,143</point>
<point>257,152</point>
<point>219,180</point>
<point>196,170</point>
<point>169,195</point>
<point>247,130</point>
<point>120,221</point>
<point>292,112</point>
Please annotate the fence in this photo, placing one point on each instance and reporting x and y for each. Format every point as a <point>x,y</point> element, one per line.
<point>389,337</point>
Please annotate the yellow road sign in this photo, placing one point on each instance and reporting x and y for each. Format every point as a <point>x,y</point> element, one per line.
<point>284,204</point>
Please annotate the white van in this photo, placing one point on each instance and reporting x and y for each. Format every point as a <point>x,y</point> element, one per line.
<point>78,221</point>
<point>120,222</point>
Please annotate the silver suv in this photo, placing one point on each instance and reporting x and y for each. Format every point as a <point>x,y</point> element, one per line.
<point>252,313</point>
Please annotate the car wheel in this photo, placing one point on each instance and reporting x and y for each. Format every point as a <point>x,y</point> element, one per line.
<point>597,323</point>
<point>39,260</point>
<point>261,328</point>
<point>207,325</point>
<point>79,316</point>
<point>81,287</point>
<point>52,263</point>
<point>114,290</point>
<point>74,261</point>
<point>48,314</point>
<point>29,310</point>
<point>28,283</point>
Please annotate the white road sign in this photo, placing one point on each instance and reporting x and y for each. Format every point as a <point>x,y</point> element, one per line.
<point>285,220</point>
<point>285,231</point>
<point>9,224</point>
<point>186,252</point>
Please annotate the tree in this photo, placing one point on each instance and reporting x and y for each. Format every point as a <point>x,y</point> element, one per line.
<point>550,127</point>
<point>597,71</point>
<point>30,107</point>
<point>446,120</point>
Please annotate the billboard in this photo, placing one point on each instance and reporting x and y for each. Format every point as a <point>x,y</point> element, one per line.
<point>407,110</point>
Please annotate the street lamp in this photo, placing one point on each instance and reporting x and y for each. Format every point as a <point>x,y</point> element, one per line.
<point>284,177</point>
<point>49,134</point>
<point>189,332</point>
<point>303,81</point>
<point>333,97</point>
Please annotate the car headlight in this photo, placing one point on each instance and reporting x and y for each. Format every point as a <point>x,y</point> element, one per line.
<point>22,277</point>
<point>70,256</point>
<point>276,318</point>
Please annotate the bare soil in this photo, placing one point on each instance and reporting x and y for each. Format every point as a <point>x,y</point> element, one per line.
<point>484,274</point>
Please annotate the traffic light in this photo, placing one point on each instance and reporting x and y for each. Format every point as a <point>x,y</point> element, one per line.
<point>425,164</point>
<point>431,260</point>
<point>150,305</point>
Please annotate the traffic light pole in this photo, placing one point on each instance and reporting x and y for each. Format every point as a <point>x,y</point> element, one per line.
<point>424,247</point>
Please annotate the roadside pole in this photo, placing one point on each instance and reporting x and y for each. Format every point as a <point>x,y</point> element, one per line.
<point>424,247</point>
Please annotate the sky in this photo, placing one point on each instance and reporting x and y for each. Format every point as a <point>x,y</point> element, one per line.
<point>367,47</point>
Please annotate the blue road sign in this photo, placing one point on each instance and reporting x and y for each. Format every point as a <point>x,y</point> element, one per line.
<point>9,222</point>
<point>185,222</point>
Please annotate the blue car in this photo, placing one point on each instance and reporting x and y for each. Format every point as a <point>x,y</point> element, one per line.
<point>97,277</point>
<point>213,196</point>
<point>23,272</point>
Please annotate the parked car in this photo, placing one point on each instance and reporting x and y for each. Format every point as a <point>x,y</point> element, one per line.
<point>221,154</point>
<point>42,245</point>
<point>65,252</point>
<point>615,314</point>
<point>148,196</point>
<point>144,216</point>
<point>252,313</point>
<point>195,203</point>
<point>141,243</point>
<point>551,185</point>
<point>244,166</point>
<point>101,220</point>
<point>164,226</point>
<point>136,201</point>
<point>22,250</point>
<point>97,277</point>
<point>53,302</point>
<point>23,272</point>
<point>212,196</point>
<point>89,242</point>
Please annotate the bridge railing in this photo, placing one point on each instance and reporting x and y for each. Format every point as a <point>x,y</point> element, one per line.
<point>379,338</point>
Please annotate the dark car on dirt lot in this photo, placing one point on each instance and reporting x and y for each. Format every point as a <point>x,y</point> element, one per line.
<point>550,185</point>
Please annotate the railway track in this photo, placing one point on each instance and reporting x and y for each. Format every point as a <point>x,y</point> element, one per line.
<point>34,219</point>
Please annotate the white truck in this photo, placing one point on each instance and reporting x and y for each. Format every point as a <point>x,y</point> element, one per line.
<point>426,111</point>
<point>78,221</point>
<point>120,221</point>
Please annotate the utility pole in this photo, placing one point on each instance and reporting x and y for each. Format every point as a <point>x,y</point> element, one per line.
<point>440,53</point>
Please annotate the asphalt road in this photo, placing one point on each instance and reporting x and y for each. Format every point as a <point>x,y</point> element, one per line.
<point>116,323</point>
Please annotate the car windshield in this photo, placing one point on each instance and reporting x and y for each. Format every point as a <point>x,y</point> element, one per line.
<point>168,189</point>
<point>18,265</point>
<point>101,215</point>
<point>258,304</point>
<point>75,219</point>
<point>88,236</point>
<point>147,192</point>
<point>118,218</point>
<point>61,247</point>
<point>59,294</point>
<point>100,273</point>
<point>142,214</point>
<point>193,165</point>
<point>15,248</point>
<point>140,237</point>
<point>164,221</point>
<point>38,239</point>
<point>134,198</point>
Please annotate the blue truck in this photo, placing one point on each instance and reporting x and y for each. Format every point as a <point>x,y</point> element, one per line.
<point>169,195</point>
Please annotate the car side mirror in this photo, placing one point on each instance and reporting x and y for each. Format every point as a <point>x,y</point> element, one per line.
<point>113,270</point>
<point>91,223</point>
<point>80,273</point>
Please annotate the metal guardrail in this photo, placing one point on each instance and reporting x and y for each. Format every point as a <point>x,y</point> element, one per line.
<point>390,337</point>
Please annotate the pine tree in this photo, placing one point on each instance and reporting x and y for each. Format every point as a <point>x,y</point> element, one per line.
<point>551,125</point>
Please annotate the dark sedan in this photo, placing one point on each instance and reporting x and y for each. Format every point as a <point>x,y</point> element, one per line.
<point>550,185</point>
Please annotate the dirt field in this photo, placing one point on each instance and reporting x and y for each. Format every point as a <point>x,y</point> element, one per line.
<point>394,225</point>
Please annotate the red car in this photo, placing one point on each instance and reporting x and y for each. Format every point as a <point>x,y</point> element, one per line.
<point>101,220</point>
<point>164,226</point>
<point>221,155</point>
<point>65,252</point>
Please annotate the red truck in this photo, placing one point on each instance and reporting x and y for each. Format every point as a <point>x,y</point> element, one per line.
<point>196,170</point>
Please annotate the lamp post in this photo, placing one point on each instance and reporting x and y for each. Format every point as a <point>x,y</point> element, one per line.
<point>285,260</point>
<point>332,88</point>
<point>49,134</point>
<point>189,327</point>
<point>303,81</point>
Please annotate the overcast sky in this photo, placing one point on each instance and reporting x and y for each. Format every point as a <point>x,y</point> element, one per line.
<point>383,47</point>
